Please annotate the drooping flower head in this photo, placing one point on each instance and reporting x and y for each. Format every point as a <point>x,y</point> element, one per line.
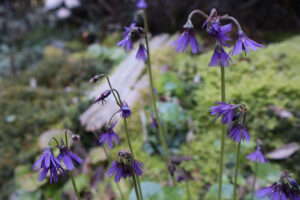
<point>48,162</point>
<point>103,96</point>
<point>284,189</point>
<point>238,133</point>
<point>68,156</point>
<point>226,111</point>
<point>141,4</point>
<point>127,42</point>
<point>243,43</point>
<point>142,53</point>
<point>214,28</point>
<point>110,137</point>
<point>125,110</point>
<point>219,57</point>
<point>258,155</point>
<point>125,166</point>
<point>185,39</point>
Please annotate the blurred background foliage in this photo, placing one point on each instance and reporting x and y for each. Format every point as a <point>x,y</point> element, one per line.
<point>49,51</point>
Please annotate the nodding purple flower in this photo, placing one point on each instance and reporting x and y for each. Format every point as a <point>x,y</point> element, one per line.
<point>219,32</point>
<point>154,123</point>
<point>227,111</point>
<point>141,53</point>
<point>220,57</point>
<point>141,4</point>
<point>125,110</point>
<point>110,137</point>
<point>126,42</point>
<point>284,189</point>
<point>186,38</point>
<point>138,168</point>
<point>68,157</point>
<point>239,133</point>
<point>48,162</point>
<point>257,156</point>
<point>180,178</point>
<point>118,169</point>
<point>103,96</point>
<point>243,43</point>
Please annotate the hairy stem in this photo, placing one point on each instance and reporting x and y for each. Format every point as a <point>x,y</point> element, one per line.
<point>254,181</point>
<point>136,180</point>
<point>160,130</point>
<point>236,170</point>
<point>223,136</point>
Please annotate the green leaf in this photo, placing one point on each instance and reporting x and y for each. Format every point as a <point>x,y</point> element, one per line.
<point>227,192</point>
<point>268,172</point>
<point>81,181</point>
<point>172,193</point>
<point>150,190</point>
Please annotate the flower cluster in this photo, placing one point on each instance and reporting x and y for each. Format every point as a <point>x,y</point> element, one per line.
<point>220,32</point>
<point>258,155</point>
<point>125,167</point>
<point>234,115</point>
<point>49,163</point>
<point>284,189</point>
<point>109,137</point>
<point>131,33</point>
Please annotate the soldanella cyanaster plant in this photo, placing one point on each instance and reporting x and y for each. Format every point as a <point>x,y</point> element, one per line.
<point>233,115</point>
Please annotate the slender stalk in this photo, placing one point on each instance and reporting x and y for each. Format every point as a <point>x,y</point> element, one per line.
<point>74,186</point>
<point>188,188</point>
<point>160,130</point>
<point>135,186</point>
<point>131,150</point>
<point>223,136</point>
<point>254,181</point>
<point>118,186</point>
<point>236,170</point>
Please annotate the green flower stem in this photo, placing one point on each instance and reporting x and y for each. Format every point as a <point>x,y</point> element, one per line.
<point>74,186</point>
<point>118,186</point>
<point>160,130</point>
<point>135,186</point>
<point>254,181</point>
<point>236,170</point>
<point>223,136</point>
<point>188,188</point>
<point>135,180</point>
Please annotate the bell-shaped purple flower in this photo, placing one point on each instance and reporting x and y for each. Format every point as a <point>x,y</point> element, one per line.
<point>125,110</point>
<point>110,137</point>
<point>68,157</point>
<point>142,53</point>
<point>126,42</point>
<point>219,32</point>
<point>257,156</point>
<point>238,133</point>
<point>243,43</point>
<point>274,192</point>
<point>219,57</point>
<point>141,4</point>
<point>138,168</point>
<point>118,169</point>
<point>227,111</point>
<point>103,96</point>
<point>185,39</point>
<point>48,162</point>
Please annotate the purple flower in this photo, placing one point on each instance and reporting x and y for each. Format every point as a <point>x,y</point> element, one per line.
<point>141,4</point>
<point>48,162</point>
<point>239,133</point>
<point>137,168</point>
<point>68,157</point>
<point>186,38</point>
<point>110,137</point>
<point>227,111</point>
<point>257,156</point>
<point>219,32</point>
<point>274,191</point>
<point>220,57</point>
<point>103,96</point>
<point>154,123</point>
<point>141,53</point>
<point>126,42</point>
<point>118,169</point>
<point>243,43</point>
<point>125,110</point>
